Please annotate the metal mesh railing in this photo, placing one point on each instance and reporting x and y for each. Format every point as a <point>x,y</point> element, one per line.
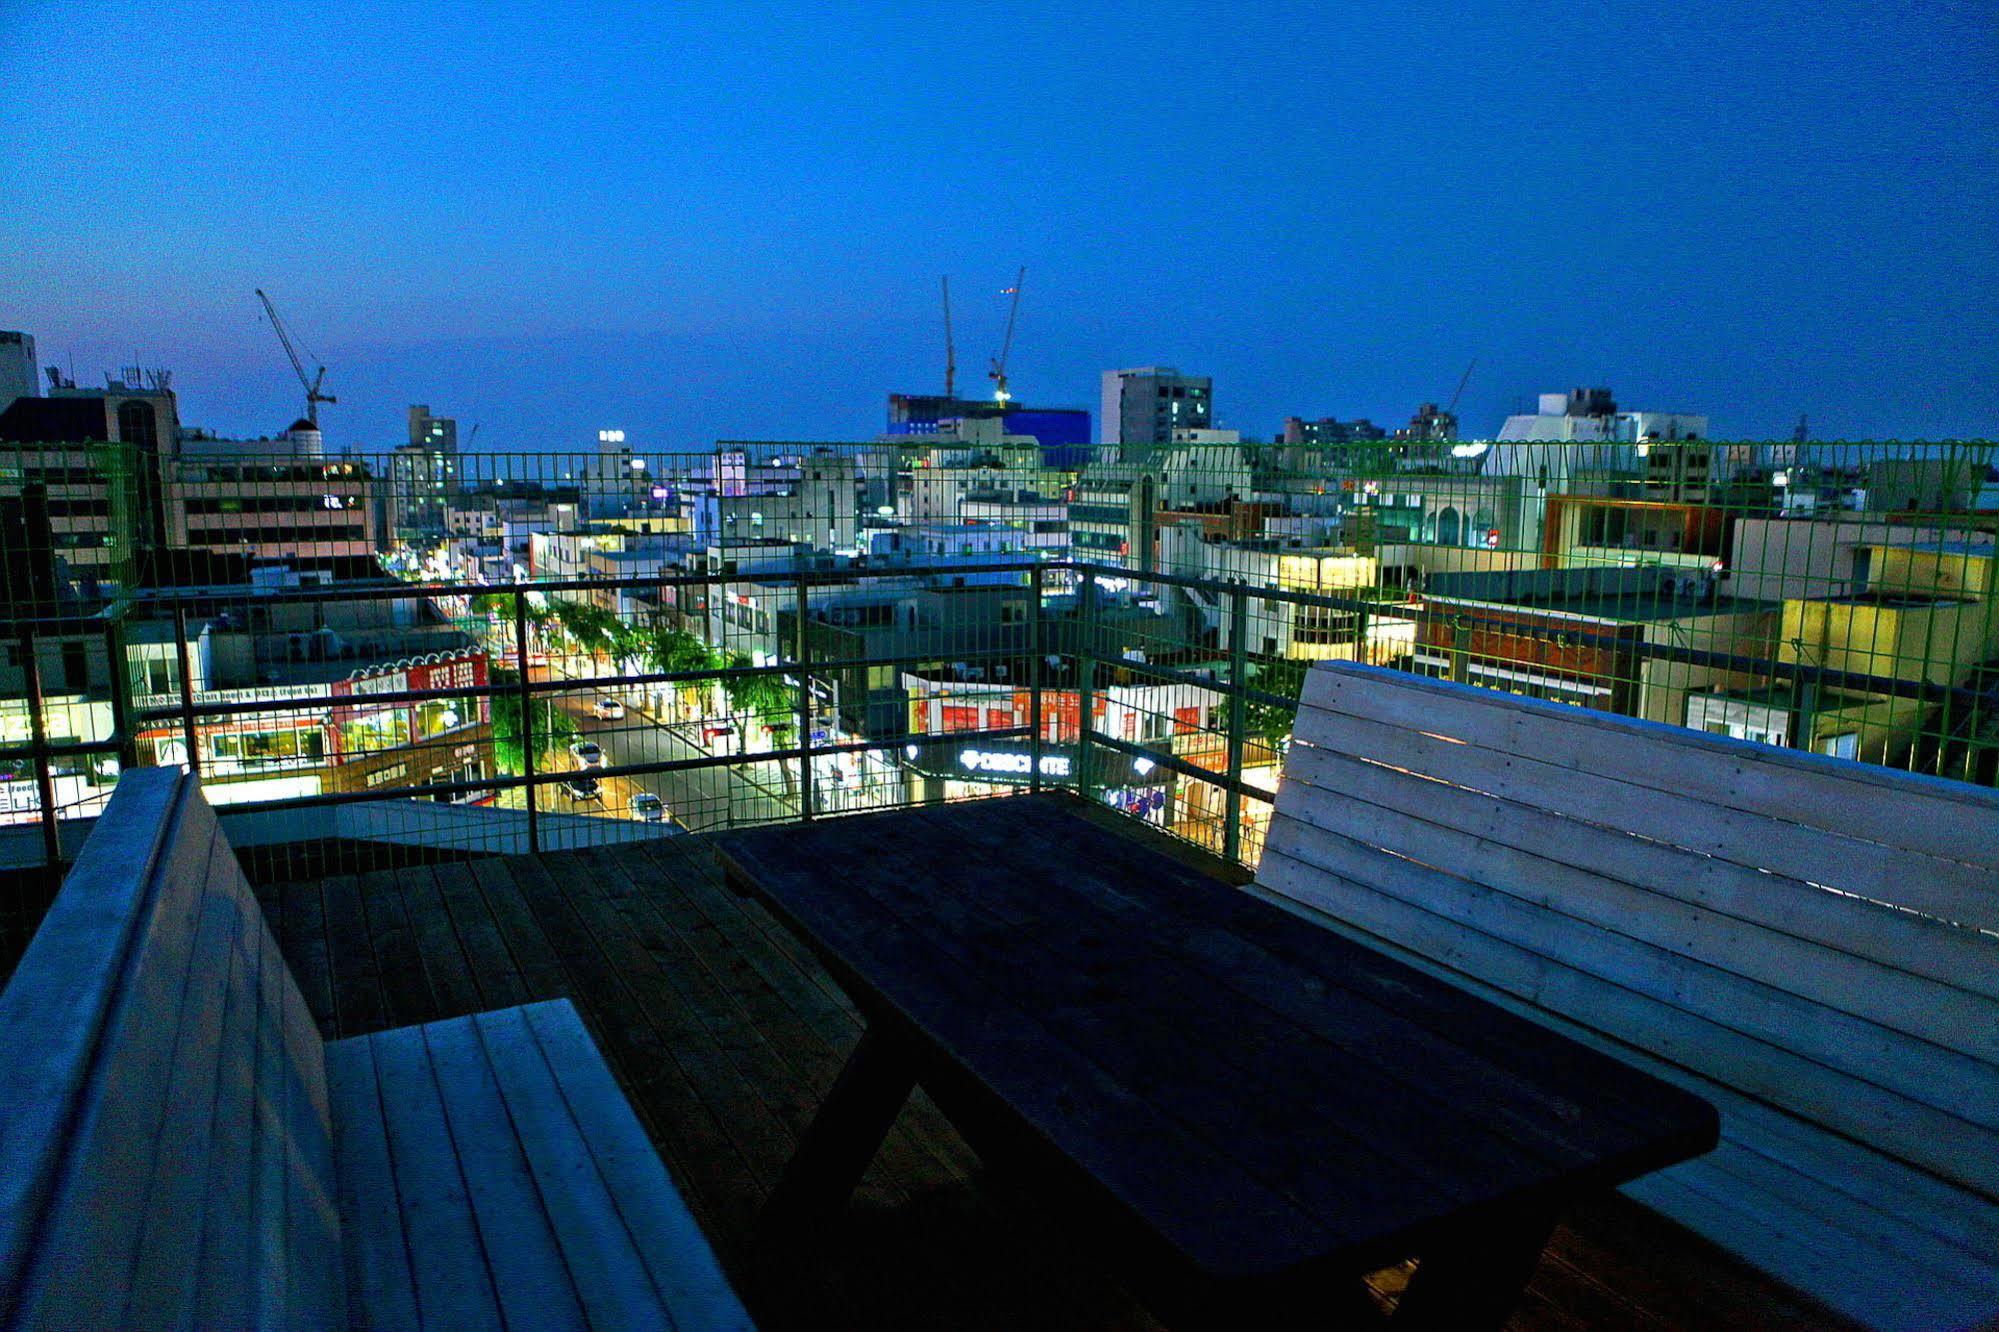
<point>409,655</point>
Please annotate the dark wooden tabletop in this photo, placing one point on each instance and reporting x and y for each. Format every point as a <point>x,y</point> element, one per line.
<point>1265,1094</point>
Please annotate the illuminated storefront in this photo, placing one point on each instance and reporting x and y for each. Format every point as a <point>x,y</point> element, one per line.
<point>425,742</point>
<point>964,769</point>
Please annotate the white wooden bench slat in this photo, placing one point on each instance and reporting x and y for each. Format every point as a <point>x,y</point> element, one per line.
<point>190,1223</point>
<point>1909,811</point>
<point>1953,1218</point>
<point>1655,892</point>
<point>91,1245</point>
<point>269,1117</point>
<point>1379,807</point>
<point>170,1206</point>
<point>181,1148</point>
<point>1892,941</point>
<point>64,991</point>
<point>610,1274</point>
<point>228,1267</point>
<point>454,1287</point>
<point>381,1286</point>
<point>573,1217</point>
<point>1618,985</point>
<point>1737,1169</point>
<point>1963,1228</point>
<point>676,1253</point>
<point>1915,1198</point>
<point>1949,889</point>
<point>305,1141</point>
<point>1869,1287</point>
<point>530,1279</point>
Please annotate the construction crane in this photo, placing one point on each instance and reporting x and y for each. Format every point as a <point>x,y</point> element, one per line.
<point>1464,379</point>
<point>950,349</point>
<point>313,397</point>
<point>998,373</point>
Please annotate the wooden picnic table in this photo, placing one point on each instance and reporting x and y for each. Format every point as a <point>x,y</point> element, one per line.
<point>1248,1112</point>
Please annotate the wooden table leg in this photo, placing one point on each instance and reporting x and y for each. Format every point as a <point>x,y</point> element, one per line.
<point>1475,1281</point>
<point>843,1137</point>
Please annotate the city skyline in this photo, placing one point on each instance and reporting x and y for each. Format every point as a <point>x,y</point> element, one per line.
<point>548,232</point>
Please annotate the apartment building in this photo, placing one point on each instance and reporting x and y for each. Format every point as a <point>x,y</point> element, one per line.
<point>1144,406</point>
<point>1587,635</point>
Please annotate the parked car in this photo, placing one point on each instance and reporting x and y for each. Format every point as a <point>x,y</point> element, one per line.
<point>648,808</point>
<point>608,709</point>
<point>583,788</point>
<point>587,753</point>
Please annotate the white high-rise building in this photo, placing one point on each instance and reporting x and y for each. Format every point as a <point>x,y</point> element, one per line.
<point>1591,416</point>
<point>1581,436</point>
<point>1147,405</point>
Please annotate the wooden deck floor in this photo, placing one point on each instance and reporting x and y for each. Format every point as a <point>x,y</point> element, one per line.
<point>725,1035</point>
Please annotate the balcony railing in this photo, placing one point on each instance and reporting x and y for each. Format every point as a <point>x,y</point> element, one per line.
<point>1161,694</point>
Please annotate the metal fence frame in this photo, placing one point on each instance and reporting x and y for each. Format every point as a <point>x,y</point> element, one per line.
<point>1232,679</point>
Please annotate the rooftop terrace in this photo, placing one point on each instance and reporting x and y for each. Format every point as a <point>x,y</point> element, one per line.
<point>725,1035</point>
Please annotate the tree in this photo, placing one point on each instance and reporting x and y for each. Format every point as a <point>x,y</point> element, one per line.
<point>628,644</point>
<point>679,652</point>
<point>588,626</point>
<point>493,603</point>
<point>1268,721</point>
<point>553,728</point>
<point>765,696</point>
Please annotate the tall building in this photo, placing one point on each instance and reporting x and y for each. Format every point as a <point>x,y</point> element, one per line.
<point>423,475</point>
<point>433,432</point>
<point>102,453</point>
<point>1145,406</point>
<point>1431,423</point>
<point>271,499</point>
<point>20,377</point>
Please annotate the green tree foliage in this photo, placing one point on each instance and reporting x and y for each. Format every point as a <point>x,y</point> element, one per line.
<point>628,642</point>
<point>680,652</point>
<point>587,626</point>
<point>553,728</point>
<point>1271,722</point>
<point>766,697</point>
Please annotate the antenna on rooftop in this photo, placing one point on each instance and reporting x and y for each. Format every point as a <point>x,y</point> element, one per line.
<point>950,349</point>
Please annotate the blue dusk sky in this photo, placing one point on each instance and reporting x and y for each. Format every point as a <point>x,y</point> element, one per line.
<point>695,221</point>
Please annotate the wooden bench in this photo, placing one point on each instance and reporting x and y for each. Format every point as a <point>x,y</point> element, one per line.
<point>178,1148</point>
<point>1810,944</point>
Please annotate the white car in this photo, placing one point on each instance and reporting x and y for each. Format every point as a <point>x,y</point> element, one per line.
<point>587,753</point>
<point>608,709</point>
<point>648,808</point>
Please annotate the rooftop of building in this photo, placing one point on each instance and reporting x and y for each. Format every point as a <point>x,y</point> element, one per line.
<point>1626,594</point>
<point>1629,608</point>
<point>1782,696</point>
<point>1983,550</point>
<point>1899,601</point>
